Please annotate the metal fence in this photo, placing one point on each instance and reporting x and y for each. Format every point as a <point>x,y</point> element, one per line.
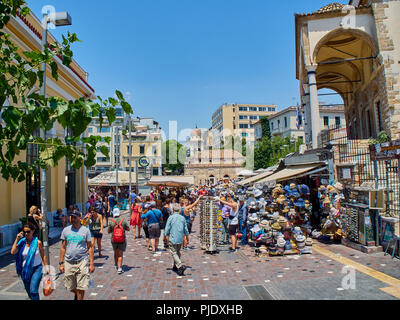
<point>356,152</point>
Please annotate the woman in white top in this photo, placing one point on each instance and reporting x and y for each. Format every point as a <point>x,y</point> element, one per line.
<point>30,254</point>
<point>233,220</point>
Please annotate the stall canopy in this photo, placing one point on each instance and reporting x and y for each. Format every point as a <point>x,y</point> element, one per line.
<point>247,173</point>
<point>255,178</point>
<point>109,178</point>
<point>171,181</point>
<point>290,172</point>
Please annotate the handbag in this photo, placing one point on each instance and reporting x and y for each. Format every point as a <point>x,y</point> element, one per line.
<point>48,286</point>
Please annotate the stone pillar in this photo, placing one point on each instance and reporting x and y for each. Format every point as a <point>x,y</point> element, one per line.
<point>307,115</point>
<point>314,105</point>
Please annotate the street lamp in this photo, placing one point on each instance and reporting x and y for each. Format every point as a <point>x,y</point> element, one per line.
<point>59,19</point>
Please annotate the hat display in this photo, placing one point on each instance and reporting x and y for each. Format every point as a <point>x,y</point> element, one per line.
<point>282,222</point>
<point>281,199</point>
<point>281,242</point>
<point>300,203</point>
<point>339,186</point>
<point>276,226</point>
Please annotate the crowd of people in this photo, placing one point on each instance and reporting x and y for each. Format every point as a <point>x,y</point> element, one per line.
<point>278,218</point>
<point>166,217</point>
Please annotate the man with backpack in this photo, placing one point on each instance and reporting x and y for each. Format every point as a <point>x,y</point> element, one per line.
<point>117,227</point>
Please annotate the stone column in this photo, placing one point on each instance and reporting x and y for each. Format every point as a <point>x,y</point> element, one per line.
<point>307,114</point>
<point>314,105</point>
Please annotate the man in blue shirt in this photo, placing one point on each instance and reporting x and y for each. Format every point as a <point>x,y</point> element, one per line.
<point>152,219</point>
<point>111,202</point>
<point>175,232</point>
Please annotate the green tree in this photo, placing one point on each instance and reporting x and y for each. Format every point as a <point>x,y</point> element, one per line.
<point>174,155</point>
<point>268,152</point>
<point>23,112</point>
<point>265,126</point>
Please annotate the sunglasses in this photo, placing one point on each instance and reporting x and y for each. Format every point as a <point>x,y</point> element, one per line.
<point>26,232</point>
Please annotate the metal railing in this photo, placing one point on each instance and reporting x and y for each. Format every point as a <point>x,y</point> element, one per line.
<point>382,174</point>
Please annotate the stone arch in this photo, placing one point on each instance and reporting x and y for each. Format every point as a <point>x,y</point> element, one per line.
<point>341,31</point>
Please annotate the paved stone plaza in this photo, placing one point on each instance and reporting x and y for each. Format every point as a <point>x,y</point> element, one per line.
<point>225,276</point>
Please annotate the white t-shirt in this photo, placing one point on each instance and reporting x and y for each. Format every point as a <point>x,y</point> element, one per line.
<point>36,262</point>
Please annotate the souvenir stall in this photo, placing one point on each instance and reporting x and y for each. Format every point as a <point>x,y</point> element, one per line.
<point>208,224</point>
<point>278,224</point>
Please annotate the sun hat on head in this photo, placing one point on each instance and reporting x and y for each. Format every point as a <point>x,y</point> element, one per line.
<point>147,205</point>
<point>116,212</point>
<point>76,213</point>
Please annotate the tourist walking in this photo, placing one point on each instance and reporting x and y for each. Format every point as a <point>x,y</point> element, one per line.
<point>166,212</point>
<point>136,221</point>
<point>111,202</point>
<point>96,228</point>
<point>30,260</point>
<point>233,220</point>
<point>117,227</point>
<point>76,256</point>
<point>106,211</point>
<point>176,231</point>
<point>152,219</point>
<point>242,215</point>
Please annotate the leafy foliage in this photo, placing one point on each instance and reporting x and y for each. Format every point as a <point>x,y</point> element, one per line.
<point>24,111</point>
<point>268,152</point>
<point>172,149</point>
<point>382,138</point>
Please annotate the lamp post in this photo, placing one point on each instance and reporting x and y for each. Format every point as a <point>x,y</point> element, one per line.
<point>59,19</point>
<point>130,156</point>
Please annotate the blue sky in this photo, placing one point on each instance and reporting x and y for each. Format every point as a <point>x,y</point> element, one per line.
<point>180,60</point>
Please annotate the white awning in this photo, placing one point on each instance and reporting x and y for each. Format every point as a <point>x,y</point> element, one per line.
<point>247,173</point>
<point>171,181</point>
<point>109,178</point>
<point>290,172</point>
<point>255,179</point>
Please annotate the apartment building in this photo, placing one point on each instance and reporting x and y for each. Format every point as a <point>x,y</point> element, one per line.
<point>146,142</point>
<point>238,120</point>
<point>284,123</point>
<point>114,132</point>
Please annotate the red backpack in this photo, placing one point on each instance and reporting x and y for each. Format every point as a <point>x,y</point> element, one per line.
<point>118,233</point>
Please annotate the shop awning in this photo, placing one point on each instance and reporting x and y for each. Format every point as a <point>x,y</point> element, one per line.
<point>255,179</point>
<point>109,178</point>
<point>247,173</point>
<point>171,181</point>
<point>289,173</point>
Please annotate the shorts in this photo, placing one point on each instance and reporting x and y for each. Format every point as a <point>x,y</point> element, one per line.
<point>233,230</point>
<point>119,246</point>
<point>154,231</point>
<point>96,234</point>
<point>77,276</point>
